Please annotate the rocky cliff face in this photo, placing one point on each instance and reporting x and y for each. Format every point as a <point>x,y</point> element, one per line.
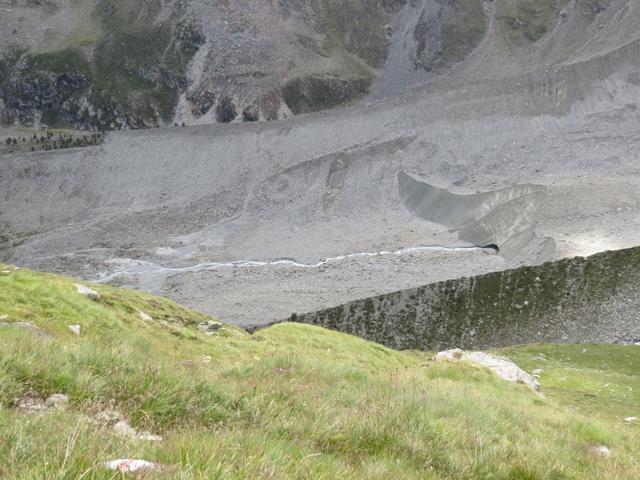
<point>593,300</point>
<point>107,64</point>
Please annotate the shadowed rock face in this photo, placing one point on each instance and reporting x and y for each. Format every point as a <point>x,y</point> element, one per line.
<point>591,300</point>
<point>503,218</point>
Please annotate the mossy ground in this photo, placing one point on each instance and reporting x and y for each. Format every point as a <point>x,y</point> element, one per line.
<point>292,401</point>
<point>462,24</point>
<point>311,94</point>
<point>461,36</point>
<point>528,21</point>
<point>358,26</point>
<point>131,78</point>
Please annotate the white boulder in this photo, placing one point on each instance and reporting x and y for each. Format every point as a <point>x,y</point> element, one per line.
<point>87,292</point>
<point>501,366</point>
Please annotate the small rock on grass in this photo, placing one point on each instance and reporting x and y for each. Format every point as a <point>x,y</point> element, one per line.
<point>145,316</point>
<point>32,403</point>
<point>631,419</point>
<point>135,466</point>
<point>57,401</point>
<point>209,327</point>
<point>108,417</point>
<point>123,429</point>
<point>30,326</point>
<point>601,451</point>
<point>149,437</point>
<point>87,292</point>
<point>74,329</point>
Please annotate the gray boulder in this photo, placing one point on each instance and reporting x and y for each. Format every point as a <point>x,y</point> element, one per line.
<point>57,401</point>
<point>210,327</point>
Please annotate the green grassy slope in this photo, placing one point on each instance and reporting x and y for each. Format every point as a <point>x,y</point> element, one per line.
<point>292,401</point>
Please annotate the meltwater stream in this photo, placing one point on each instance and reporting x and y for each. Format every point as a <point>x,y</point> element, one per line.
<point>148,269</point>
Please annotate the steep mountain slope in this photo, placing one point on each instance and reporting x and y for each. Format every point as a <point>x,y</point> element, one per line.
<point>237,220</point>
<point>107,64</point>
<point>101,64</point>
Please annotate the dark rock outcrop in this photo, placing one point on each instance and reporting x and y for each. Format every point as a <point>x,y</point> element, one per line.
<point>594,299</point>
<point>304,95</point>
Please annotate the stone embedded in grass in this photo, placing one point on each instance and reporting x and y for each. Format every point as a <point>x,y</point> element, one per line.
<point>149,437</point>
<point>33,404</point>
<point>134,466</point>
<point>123,429</point>
<point>145,316</point>
<point>501,366</point>
<point>75,329</point>
<point>30,404</point>
<point>108,417</point>
<point>631,419</point>
<point>57,401</point>
<point>87,292</point>
<point>31,327</point>
<point>601,451</point>
<point>210,327</point>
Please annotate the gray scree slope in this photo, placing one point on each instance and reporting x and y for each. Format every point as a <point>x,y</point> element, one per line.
<point>152,205</point>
